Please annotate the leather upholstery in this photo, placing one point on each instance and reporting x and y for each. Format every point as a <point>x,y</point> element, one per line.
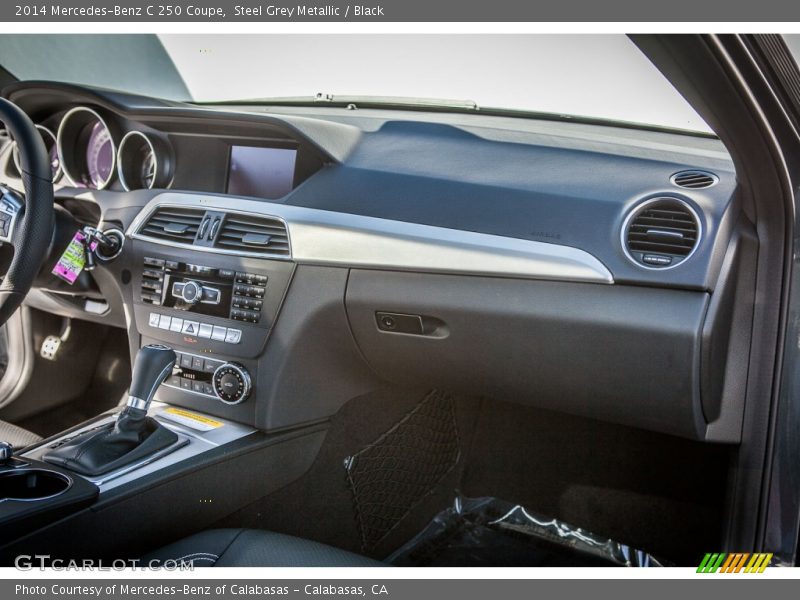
<point>132,437</point>
<point>255,548</point>
<point>17,436</point>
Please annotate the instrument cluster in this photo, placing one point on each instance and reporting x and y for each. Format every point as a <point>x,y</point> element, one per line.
<point>92,151</point>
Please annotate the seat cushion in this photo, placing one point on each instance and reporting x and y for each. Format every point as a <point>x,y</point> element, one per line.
<point>255,548</point>
<point>17,436</point>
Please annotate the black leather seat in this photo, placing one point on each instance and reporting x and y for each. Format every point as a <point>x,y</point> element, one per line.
<point>254,548</point>
<point>17,436</point>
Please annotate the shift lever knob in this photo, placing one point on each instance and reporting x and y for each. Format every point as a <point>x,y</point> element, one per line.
<point>152,366</point>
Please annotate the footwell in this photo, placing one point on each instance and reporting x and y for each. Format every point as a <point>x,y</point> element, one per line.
<point>390,476</point>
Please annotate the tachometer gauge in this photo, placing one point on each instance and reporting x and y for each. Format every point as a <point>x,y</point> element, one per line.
<point>49,139</point>
<point>86,149</point>
<point>142,161</point>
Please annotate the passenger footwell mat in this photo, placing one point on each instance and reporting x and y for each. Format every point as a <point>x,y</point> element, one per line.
<point>392,474</point>
<point>487,532</point>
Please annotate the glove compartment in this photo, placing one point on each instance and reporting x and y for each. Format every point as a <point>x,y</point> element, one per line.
<point>625,354</point>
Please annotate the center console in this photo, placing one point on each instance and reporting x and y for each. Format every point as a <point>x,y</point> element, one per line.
<point>64,474</point>
<point>212,313</point>
<point>217,311</point>
<point>195,434</point>
<point>37,496</point>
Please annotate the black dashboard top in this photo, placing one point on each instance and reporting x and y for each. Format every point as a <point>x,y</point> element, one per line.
<point>563,183</point>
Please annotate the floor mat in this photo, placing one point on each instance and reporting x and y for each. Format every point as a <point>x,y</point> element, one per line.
<point>487,532</point>
<point>390,476</point>
<point>320,505</point>
<point>659,493</point>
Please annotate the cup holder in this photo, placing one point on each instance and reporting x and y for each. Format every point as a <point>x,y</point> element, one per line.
<point>30,485</point>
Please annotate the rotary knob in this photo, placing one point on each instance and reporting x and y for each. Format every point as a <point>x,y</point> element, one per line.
<point>192,292</point>
<point>232,383</point>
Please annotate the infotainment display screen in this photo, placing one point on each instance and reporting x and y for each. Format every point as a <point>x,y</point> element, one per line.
<point>261,172</point>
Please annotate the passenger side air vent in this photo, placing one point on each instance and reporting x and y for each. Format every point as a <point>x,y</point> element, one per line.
<point>694,180</point>
<point>661,233</point>
<point>252,234</point>
<point>173,224</point>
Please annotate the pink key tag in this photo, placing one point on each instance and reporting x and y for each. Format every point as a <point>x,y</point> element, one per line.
<point>73,260</point>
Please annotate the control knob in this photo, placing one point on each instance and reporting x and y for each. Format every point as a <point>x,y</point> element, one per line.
<point>192,292</point>
<point>232,383</point>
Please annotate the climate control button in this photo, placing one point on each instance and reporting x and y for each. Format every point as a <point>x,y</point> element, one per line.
<point>232,383</point>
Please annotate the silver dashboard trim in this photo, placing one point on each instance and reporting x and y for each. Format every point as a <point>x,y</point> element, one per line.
<point>323,237</point>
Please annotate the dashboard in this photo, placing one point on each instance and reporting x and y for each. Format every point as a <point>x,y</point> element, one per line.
<point>307,254</point>
<point>94,148</point>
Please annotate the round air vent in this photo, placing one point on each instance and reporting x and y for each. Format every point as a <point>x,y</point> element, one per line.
<point>661,233</point>
<point>694,180</point>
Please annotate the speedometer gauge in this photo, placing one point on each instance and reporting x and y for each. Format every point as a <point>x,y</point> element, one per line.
<point>86,148</point>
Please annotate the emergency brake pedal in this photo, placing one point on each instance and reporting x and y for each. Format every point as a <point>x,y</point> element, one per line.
<point>52,343</point>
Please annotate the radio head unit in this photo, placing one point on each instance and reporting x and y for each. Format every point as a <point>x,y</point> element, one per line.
<point>203,290</point>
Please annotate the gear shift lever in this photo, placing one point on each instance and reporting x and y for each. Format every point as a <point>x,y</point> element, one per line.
<point>133,435</point>
<point>153,364</point>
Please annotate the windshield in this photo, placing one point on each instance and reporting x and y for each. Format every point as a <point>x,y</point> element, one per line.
<point>597,76</point>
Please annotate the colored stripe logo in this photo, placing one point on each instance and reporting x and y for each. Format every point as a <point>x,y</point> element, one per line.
<point>735,562</point>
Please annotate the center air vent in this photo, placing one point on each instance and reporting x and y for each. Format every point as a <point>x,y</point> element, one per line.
<point>661,233</point>
<point>694,180</point>
<point>254,235</point>
<point>173,224</point>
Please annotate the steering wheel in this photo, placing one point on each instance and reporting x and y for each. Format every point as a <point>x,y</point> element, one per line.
<point>25,223</point>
